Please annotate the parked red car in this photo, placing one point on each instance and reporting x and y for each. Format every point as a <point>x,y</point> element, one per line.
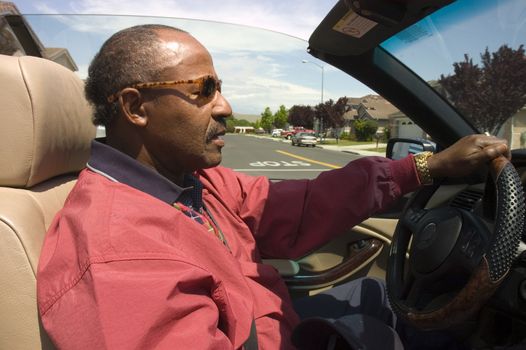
<point>289,133</point>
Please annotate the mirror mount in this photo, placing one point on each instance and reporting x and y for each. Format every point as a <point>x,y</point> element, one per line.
<point>386,12</point>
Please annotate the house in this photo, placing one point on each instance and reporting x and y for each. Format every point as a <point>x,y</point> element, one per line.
<point>514,129</point>
<point>388,117</point>
<point>372,107</point>
<point>17,38</point>
<point>401,126</point>
<point>243,129</point>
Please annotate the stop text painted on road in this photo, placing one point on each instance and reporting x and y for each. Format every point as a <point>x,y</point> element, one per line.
<point>333,166</point>
<point>272,163</point>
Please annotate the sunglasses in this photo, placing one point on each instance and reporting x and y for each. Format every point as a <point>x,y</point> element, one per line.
<point>208,86</point>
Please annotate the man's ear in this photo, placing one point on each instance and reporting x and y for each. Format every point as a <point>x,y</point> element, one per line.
<point>131,105</point>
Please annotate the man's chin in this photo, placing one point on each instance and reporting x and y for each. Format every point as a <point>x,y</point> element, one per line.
<point>213,161</point>
<point>208,159</point>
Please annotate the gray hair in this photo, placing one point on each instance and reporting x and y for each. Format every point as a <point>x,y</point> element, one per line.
<point>129,56</point>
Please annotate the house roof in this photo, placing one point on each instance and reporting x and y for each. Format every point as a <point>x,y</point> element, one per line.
<point>60,55</point>
<point>8,8</point>
<point>26,39</point>
<point>376,106</point>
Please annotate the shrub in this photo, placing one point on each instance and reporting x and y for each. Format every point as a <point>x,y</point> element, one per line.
<point>365,129</point>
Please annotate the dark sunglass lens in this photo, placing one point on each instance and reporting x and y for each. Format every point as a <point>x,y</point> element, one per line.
<point>209,87</point>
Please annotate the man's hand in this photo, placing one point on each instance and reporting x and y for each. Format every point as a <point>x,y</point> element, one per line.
<point>467,155</point>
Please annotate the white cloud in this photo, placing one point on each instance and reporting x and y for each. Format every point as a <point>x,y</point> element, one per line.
<point>254,94</point>
<point>216,37</point>
<point>82,70</point>
<point>252,83</point>
<point>259,68</point>
<point>293,17</point>
<point>254,79</point>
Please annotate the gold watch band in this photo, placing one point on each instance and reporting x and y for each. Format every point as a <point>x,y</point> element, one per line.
<point>422,167</point>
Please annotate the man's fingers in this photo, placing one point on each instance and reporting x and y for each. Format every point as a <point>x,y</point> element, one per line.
<point>494,150</point>
<point>484,141</point>
<point>467,155</point>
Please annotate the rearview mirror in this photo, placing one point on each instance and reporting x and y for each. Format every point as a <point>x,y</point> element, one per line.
<point>398,148</point>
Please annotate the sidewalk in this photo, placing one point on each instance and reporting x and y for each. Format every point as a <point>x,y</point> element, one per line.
<point>364,150</point>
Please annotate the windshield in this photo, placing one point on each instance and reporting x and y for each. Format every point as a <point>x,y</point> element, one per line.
<point>259,68</point>
<point>274,86</point>
<point>472,53</point>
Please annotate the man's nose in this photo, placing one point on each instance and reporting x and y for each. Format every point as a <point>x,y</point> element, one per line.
<point>221,107</point>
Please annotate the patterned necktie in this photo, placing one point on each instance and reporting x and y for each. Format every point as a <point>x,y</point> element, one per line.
<point>201,219</point>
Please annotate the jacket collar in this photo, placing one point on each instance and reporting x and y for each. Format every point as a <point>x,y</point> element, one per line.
<point>119,167</point>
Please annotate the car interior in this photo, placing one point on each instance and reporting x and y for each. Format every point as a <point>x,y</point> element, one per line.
<point>45,142</point>
<point>438,296</point>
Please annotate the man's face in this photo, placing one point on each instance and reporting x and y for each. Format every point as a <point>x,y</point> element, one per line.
<point>185,128</point>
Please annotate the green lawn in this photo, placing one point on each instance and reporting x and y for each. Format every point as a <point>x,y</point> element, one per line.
<point>379,149</point>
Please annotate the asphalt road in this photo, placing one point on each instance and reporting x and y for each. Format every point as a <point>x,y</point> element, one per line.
<point>279,160</point>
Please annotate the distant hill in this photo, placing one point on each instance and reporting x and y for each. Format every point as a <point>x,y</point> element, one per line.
<point>250,117</point>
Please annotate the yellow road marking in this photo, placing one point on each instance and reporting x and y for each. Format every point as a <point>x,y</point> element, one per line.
<point>309,160</point>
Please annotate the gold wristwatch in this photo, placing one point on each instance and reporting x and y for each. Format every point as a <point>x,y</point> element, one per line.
<point>422,168</point>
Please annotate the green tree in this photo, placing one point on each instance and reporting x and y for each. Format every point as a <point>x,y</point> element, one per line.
<point>301,116</point>
<point>491,93</point>
<point>364,129</point>
<point>230,124</point>
<point>281,117</point>
<point>267,119</point>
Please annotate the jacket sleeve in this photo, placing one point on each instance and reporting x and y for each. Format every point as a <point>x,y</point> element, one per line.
<point>139,304</point>
<point>301,215</point>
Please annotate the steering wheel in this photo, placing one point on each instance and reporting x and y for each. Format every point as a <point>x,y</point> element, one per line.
<point>457,258</point>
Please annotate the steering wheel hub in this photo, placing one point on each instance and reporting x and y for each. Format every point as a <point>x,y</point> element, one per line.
<point>435,239</point>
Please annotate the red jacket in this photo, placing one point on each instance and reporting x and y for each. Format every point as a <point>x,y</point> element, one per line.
<point>121,269</point>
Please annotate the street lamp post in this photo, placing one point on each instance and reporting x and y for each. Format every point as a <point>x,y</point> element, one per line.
<point>322,71</point>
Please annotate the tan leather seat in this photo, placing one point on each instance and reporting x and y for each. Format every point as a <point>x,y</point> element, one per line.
<point>45,135</point>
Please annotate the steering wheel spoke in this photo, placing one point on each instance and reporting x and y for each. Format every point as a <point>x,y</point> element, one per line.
<point>411,220</point>
<point>419,290</point>
<point>414,288</point>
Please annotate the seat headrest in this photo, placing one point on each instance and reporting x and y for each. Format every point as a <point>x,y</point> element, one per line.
<point>46,126</point>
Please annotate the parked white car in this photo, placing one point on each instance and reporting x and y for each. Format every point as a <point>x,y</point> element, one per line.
<point>304,139</point>
<point>276,132</point>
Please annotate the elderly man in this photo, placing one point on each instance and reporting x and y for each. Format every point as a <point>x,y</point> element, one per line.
<point>159,248</point>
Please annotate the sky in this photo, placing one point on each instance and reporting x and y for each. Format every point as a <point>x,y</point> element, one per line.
<point>258,68</point>
<point>258,46</point>
<point>464,27</point>
<point>294,17</point>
